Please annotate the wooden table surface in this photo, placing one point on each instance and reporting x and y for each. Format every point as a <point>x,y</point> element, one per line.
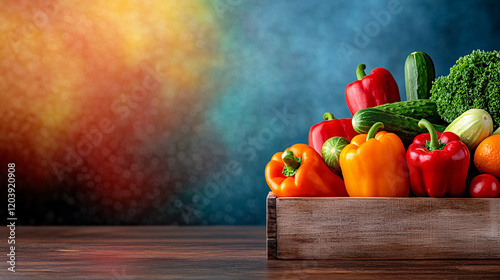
<point>218,252</point>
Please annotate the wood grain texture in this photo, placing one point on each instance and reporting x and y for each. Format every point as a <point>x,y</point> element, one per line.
<point>388,228</point>
<point>220,252</point>
<point>271,227</point>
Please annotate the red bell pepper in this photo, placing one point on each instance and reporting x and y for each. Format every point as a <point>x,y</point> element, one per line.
<point>371,90</point>
<point>438,163</point>
<point>329,128</point>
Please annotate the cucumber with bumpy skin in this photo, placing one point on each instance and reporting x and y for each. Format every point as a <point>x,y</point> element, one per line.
<point>403,126</point>
<point>417,109</point>
<point>419,75</point>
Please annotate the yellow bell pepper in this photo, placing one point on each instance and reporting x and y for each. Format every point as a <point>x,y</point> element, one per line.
<point>375,165</point>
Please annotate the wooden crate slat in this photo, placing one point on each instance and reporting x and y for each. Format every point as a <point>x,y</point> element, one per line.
<point>385,228</point>
<point>271,227</point>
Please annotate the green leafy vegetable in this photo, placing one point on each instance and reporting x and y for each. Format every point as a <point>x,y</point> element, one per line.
<point>473,83</point>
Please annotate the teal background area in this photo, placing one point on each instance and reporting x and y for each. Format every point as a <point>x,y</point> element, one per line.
<point>296,57</point>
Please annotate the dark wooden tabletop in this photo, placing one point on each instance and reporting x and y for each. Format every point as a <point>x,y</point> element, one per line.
<point>219,252</point>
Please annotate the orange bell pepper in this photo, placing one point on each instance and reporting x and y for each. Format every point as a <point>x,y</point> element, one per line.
<point>300,171</point>
<point>375,166</point>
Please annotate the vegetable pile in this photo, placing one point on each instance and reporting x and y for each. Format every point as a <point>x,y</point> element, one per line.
<point>438,143</point>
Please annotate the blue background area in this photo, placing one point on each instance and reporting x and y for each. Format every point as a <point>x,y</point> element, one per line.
<point>296,57</point>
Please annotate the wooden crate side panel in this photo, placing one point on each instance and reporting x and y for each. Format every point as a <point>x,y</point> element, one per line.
<point>271,227</point>
<point>388,228</point>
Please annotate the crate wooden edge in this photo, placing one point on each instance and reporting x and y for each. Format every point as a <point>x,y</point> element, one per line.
<point>271,227</point>
<point>272,222</point>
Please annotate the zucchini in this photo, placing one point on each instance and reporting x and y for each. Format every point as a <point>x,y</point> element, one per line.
<point>419,75</point>
<point>417,109</point>
<point>403,126</point>
<point>473,126</point>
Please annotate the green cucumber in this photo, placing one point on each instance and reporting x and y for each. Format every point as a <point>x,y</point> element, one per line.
<point>419,75</point>
<point>331,152</point>
<point>403,126</point>
<point>417,109</point>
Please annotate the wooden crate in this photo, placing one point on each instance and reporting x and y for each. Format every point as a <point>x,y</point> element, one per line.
<point>383,228</point>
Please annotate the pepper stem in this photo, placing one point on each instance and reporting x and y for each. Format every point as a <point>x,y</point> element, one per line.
<point>291,163</point>
<point>373,130</point>
<point>360,71</point>
<point>328,116</point>
<point>434,144</point>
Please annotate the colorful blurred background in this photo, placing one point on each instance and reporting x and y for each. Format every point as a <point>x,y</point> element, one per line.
<point>166,112</point>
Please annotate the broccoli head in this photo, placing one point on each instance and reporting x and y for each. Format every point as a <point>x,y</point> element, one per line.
<point>473,82</point>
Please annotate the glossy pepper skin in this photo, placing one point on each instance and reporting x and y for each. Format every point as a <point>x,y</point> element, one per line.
<point>329,128</point>
<point>485,186</point>
<point>300,171</point>
<point>377,88</point>
<point>438,163</point>
<point>375,165</point>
